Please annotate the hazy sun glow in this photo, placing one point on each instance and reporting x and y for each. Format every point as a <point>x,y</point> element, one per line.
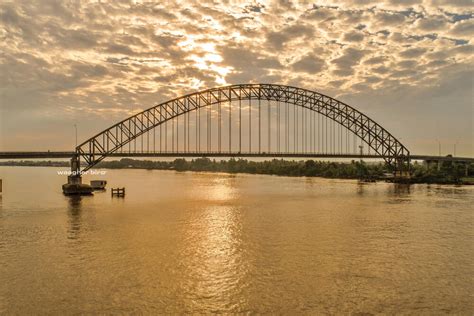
<point>378,56</point>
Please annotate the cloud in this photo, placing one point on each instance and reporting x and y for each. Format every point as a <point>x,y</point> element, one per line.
<point>463,29</point>
<point>413,52</point>
<point>119,49</point>
<point>245,59</point>
<point>310,64</point>
<point>277,39</point>
<point>70,58</point>
<point>345,64</point>
<point>407,63</point>
<point>354,36</point>
<point>319,13</point>
<point>375,60</point>
<point>258,7</point>
<point>248,65</point>
<point>431,24</point>
<point>387,18</point>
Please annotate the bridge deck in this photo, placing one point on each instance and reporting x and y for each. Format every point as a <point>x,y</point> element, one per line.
<point>69,154</point>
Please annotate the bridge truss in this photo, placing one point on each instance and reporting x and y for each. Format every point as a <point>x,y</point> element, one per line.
<point>247,120</point>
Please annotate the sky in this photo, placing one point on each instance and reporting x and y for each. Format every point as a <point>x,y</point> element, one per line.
<point>407,64</point>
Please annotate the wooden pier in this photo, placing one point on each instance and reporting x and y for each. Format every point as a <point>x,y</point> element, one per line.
<point>120,192</point>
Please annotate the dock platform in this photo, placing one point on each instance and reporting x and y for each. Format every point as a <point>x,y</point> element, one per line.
<point>120,192</point>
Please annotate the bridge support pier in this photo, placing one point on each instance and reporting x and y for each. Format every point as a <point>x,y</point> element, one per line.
<point>75,177</point>
<point>402,171</point>
<point>75,166</point>
<point>74,185</point>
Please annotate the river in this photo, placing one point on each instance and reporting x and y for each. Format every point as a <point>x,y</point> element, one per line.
<point>205,242</point>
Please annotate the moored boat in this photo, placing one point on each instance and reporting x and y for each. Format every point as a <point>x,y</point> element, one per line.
<point>98,184</point>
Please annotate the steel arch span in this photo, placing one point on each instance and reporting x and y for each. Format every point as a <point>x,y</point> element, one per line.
<point>318,107</point>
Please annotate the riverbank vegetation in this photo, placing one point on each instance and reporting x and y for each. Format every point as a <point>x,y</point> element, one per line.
<point>445,173</point>
<point>308,168</point>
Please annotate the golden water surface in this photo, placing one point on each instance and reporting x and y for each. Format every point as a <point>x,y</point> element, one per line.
<point>203,242</point>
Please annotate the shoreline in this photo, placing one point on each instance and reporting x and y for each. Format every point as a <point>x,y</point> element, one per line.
<point>364,173</point>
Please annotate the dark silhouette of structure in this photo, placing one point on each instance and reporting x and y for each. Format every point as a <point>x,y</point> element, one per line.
<point>278,130</point>
<point>243,120</point>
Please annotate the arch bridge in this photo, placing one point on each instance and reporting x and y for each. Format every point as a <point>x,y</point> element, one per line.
<point>246,120</point>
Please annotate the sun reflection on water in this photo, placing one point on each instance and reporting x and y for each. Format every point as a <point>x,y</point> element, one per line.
<point>215,233</point>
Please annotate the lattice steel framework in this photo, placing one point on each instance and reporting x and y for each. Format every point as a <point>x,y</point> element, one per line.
<point>384,144</point>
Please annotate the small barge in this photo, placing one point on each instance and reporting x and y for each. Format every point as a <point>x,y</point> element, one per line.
<point>98,184</point>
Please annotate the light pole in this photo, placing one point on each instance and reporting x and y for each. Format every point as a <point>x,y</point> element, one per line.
<point>455,148</point>
<point>439,154</point>
<point>75,128</point>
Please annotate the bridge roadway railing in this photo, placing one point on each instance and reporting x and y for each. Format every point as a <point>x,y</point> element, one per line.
<point>70,154</point>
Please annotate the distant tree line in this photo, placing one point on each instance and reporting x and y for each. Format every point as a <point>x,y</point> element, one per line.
<point>31,163</point>
<point>448,172</point>
<point>308,168</point>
